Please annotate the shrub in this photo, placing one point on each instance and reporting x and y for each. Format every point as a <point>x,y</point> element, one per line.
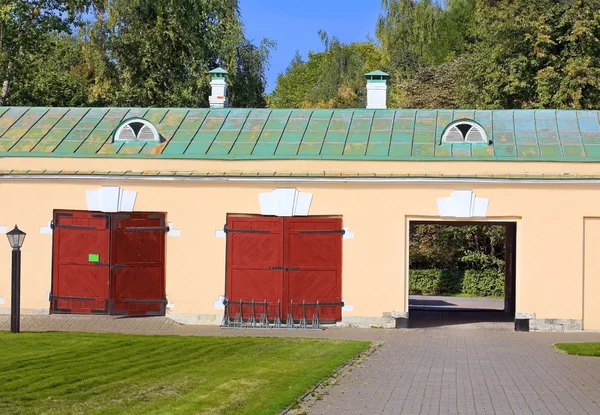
<point>483,283</point>
<point>435,281</point>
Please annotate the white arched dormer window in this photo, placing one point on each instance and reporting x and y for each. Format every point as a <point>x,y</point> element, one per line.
<point>464,131</point>
<point>137,129</point>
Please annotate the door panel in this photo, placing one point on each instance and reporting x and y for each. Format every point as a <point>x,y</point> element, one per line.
<point>254,248</point>
<point>137,277</point>
<point>80,275</point>
<point>313,260</point>
<point>284,260</point>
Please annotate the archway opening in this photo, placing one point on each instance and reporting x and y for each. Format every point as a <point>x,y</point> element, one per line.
<point>461,272</point>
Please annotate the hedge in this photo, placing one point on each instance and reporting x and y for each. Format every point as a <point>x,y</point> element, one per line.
<point>435,281</point>
<point>448,281</point>
<point>483,283</point>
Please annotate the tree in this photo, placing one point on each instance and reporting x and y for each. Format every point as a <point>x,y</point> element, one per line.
<point>441,86</point>
<point>406,30</point>
<point>294,85</point>
<point>417,43</point>
<point>127,53</point>
<point>541,54</point>
<point>53,75</point>
<point>158,53</point>
<point>24,29</point>
<point>333,78</point>
<point>476,247</point>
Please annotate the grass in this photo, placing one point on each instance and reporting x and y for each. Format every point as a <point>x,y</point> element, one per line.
<point>79,373</point>
<point>580,349</point>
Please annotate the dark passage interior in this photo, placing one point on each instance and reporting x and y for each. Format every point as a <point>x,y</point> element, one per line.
<point>461,273</point>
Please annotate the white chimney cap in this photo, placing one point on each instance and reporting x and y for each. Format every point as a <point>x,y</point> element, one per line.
<point>377,89</point>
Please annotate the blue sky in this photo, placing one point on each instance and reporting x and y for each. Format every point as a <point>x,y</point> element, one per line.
<point>294,25</point>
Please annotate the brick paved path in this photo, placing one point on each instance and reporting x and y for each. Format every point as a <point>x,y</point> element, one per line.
<point>459,371</point>
<point>482,368</point>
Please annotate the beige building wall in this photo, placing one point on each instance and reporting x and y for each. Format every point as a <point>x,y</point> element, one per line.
<point>549,217</point>
<point>591,275</point>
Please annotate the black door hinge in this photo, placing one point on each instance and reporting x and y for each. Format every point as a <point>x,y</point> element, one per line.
<point>340,231</point>
<point>227,230</point>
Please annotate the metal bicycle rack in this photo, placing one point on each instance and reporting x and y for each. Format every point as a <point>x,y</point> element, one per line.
<point>248,320</point>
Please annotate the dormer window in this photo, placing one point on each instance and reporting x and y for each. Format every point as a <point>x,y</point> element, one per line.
<point>464,131</point>
<point>137,129</point>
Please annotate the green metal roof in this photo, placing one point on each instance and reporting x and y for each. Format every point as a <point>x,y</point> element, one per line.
<point>345,134</point>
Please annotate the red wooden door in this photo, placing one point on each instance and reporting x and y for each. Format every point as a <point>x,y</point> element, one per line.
<point>254,264</point>
<point>80,268</point>
<point>313,263</point>
<point>138,268</point>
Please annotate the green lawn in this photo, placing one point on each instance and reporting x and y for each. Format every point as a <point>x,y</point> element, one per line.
<point>580,349</point>
<point>79,373</point>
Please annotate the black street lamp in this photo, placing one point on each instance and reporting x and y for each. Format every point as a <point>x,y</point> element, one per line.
<point>15,239</point>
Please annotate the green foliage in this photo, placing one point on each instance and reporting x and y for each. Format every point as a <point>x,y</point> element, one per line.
<point>329,79</point>
<point>487,283</point>
<point>435,281</point>
<point>76,373</point>
<point>54,77</point>
<point>158,52</point>
<point>445,259</point>
<point>467,54</point>
<point>477,247</point>
<point>536,54</point>
<point>130,53</point>
<point>25,30</point>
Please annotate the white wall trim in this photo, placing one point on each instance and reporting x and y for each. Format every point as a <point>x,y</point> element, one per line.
<point>347,307</point>
<point>463,204</point>
<point>45,230</point>
<point>220,233</point>
<point>347,234</point>
<point>285,202</point>
<point>3,229</point>
<point>218,304</point>
<point>110,199</point>
<point>172,231</point>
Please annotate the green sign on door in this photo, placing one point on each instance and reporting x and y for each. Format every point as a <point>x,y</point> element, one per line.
<point>94,257</point>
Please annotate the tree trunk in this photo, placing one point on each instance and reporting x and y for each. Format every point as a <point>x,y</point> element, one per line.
<point>4,94</point>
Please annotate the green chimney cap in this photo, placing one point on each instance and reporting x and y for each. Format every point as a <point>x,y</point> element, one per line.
<point>218,73</point>
<point>377,76</point>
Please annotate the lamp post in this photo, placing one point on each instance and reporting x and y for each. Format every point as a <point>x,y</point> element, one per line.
<point>15,239</point>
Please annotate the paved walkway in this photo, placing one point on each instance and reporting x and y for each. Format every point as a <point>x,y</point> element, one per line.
<point>466,371</point>
<point>479,368</point>
<point>452,303</point>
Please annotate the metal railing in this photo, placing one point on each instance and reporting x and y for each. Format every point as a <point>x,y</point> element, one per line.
<point>255,315</point>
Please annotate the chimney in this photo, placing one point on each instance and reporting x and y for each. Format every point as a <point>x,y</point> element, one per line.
<point>376,89</point>
<point>218,84</point>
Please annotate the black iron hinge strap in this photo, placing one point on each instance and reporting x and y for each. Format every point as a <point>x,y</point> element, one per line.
<point>227,230</point>
<point>141,228</point>
<point>340,231</point>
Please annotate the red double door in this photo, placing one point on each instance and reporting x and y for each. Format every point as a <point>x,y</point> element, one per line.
<point>108,263</point>
<point>284,261</point>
